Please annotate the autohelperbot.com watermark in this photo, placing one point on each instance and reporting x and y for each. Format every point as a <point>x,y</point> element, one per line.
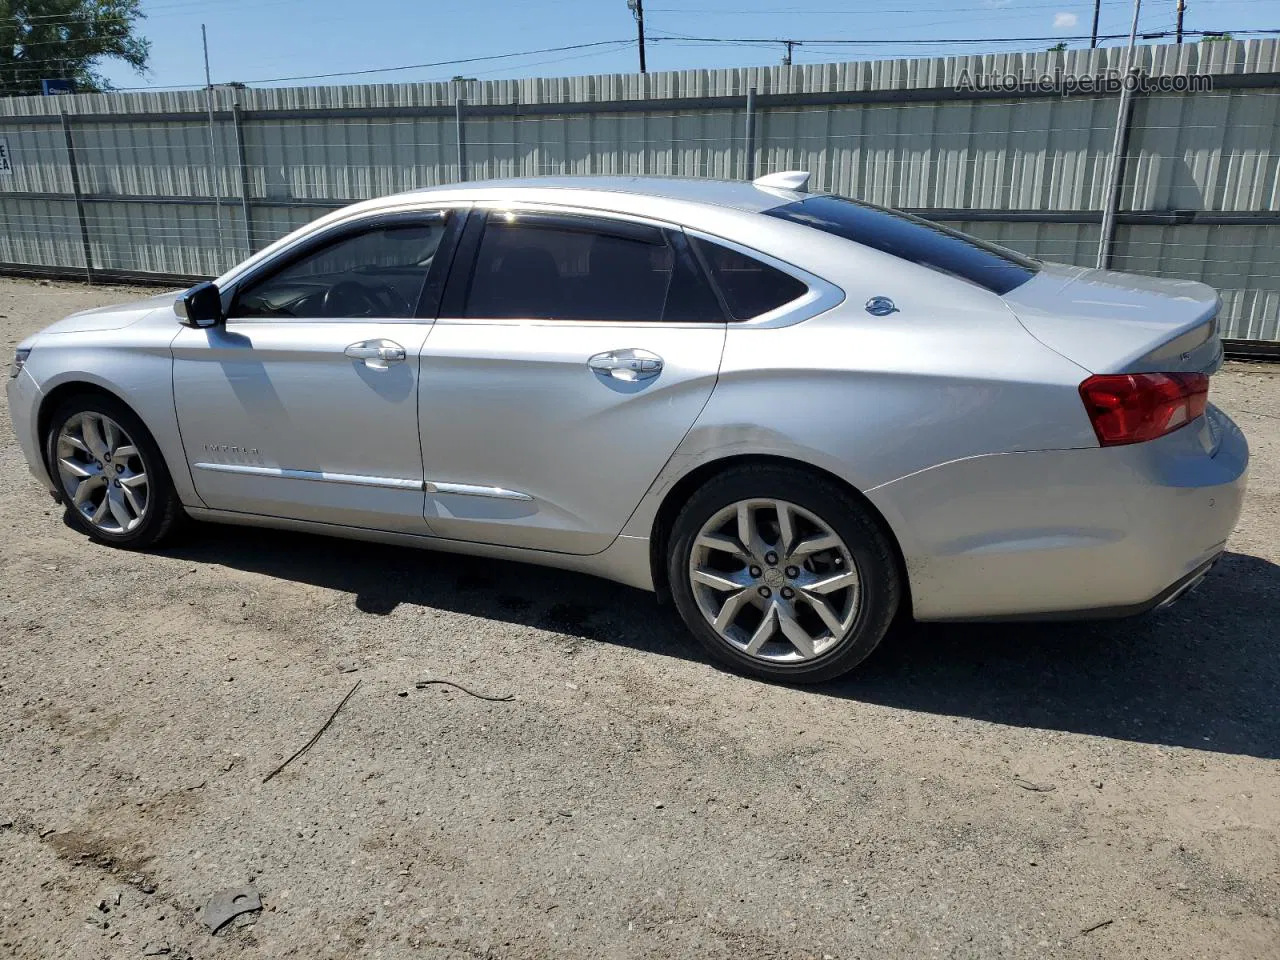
<point>1067,84</point>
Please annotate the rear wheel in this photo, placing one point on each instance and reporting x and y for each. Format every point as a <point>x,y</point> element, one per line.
<point>113,480</point>
<point>782,574</point>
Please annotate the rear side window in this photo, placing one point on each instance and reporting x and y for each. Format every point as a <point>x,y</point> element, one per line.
<point>749,287</point>
<point>565,268</point>
<point>911,238</point>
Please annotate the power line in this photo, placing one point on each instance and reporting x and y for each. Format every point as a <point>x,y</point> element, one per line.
<point>832,41</point>
<point>412,66</point>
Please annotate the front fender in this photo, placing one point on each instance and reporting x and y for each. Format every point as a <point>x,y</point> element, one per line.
<point>137,369</point>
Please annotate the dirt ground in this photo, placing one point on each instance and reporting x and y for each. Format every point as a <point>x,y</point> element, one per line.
<point>1096,790</point>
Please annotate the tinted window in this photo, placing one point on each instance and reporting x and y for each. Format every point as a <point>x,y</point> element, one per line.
<point>748,286</point>
<point>542,267</point>
<point>911,238</point>
<point>378,273</point>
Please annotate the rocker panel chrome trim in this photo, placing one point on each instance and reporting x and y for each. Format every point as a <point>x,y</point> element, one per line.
<point>284,473</point>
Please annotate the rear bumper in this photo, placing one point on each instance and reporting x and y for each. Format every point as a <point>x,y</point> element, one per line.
<point>1165,598</point>
<point>23,394</point>
<point>1069,533</point>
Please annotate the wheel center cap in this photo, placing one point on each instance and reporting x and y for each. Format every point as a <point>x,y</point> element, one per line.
<point>774,577</point>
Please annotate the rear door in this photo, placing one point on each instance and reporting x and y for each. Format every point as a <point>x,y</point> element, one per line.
<point>304,405</point>
<point>571,355</point>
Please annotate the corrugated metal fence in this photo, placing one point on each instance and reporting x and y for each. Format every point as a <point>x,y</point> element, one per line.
<point>138,183</point>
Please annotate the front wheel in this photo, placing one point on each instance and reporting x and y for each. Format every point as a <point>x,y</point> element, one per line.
<point>782,574</point>
<point>112,476</point>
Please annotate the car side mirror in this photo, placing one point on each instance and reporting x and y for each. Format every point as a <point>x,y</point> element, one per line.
<point>201,306</point>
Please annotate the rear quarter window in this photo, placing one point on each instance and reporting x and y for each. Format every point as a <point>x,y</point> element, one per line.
<point>750,288</point>
<point>915,240</point>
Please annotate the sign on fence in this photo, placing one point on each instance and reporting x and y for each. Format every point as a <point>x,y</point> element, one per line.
<point>6,165</point>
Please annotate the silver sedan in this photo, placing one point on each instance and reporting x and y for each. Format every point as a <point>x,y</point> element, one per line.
<point>795,415</point>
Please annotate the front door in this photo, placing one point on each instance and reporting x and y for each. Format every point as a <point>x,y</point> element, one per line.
<point>304,404</point>
<point>572,355</point>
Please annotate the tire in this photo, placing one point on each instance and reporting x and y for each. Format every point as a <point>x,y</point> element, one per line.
<point>856,577</point>
<point>142,463</point>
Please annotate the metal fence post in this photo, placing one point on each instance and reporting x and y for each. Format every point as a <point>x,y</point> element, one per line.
<point>750,138</point>
<point>462,138</point>
<point>75,189</point>
<point>237,123</point>
<point>1115,172</point>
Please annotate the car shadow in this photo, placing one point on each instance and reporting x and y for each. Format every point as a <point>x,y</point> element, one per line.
<point>1203,674</point>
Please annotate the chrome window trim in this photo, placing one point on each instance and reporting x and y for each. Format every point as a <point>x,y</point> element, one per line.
<point>594,213</point>
<point>252,269</point>
<point>821,296</point>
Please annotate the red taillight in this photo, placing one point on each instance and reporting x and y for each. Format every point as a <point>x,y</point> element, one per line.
<point>1133,407</point>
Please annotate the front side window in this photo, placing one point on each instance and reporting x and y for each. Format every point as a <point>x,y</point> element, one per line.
<point>565,268</point>
<point>919,241</point>
<point>377,273</point>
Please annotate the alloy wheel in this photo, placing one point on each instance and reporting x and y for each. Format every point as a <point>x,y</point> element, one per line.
<point>102,472</point>
<point>774,580</point>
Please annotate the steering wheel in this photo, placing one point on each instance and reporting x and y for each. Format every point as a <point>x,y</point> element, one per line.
<point>350,298</point>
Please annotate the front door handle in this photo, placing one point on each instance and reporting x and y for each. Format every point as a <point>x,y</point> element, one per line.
<point>630,364</point>
<point>376,354</point>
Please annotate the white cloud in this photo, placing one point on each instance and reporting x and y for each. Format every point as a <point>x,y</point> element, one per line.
<point>1064,21</point>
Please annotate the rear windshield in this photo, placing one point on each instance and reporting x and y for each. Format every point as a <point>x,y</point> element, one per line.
<point>911,238</point>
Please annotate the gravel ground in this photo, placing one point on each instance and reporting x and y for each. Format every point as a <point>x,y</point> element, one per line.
<point>980,791</point>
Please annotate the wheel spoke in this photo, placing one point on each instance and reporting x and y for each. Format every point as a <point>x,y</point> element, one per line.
<point>732,606</point>
<point>812,545</point>
<point>764,631</point>
<point>131,498</point>
<point>724,544</point>
<point>833,583</point>
<point>125,451</point>
<point>715,580</point>
<point>797,634</point>
<point>84,488</point>
<point>110,435</point>
<point>76,442</point>
<point>75,468</point>
<point>118,508</point>
<point>90,430</point>
<point>746,531</point>
<point>786,528</point>
<point>103,509</point>
<point>134,480</point>
<point>824,612</point>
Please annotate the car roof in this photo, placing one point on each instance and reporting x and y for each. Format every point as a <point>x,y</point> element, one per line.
<point>734,194</point>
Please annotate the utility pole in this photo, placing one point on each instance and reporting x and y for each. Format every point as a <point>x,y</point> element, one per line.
<point>214,188</point>
<point>1115,168</point>
<point>786,57</point>
<point>1097,9</point>
<point>1182,9</point>
<point>637,10</point>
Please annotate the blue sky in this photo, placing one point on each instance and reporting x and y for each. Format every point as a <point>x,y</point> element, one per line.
<point>257,40</point>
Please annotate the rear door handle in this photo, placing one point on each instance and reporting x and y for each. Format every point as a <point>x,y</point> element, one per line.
<point>376,354</point>
<point>629,364</point>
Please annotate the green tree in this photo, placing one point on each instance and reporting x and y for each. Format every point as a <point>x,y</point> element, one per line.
<point>66,40</point>
<point>1058,47</point>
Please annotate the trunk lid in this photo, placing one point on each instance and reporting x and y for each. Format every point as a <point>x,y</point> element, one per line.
<point>1110,322</point>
